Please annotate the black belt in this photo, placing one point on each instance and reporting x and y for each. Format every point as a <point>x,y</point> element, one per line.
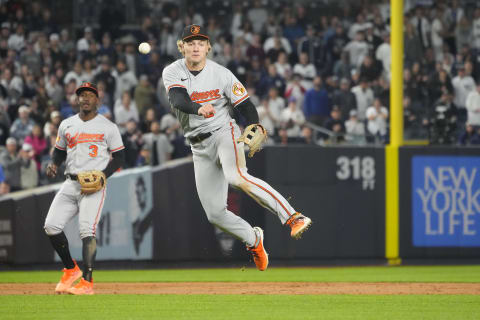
<point>72,176</point>
<point>199,138</point>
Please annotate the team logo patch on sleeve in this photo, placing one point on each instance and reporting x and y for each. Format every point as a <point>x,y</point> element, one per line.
<point>238,89</point>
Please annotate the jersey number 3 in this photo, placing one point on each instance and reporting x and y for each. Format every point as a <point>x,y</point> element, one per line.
<point>94,151</point>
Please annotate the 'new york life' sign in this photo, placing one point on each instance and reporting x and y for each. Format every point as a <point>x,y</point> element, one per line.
<point>446,201</point>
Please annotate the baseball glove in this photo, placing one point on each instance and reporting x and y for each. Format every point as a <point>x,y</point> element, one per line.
<point>91,181</point>
<point>254,136</point>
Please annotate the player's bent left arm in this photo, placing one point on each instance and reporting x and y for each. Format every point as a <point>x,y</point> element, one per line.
<point>58,156</point>
<point>118,160</point>
<point>248,111</point>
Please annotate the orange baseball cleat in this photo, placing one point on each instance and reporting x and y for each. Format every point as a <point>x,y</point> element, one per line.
<point>260,256</point>
<point>68,278</point>
<point>299,224</point>
<point>83,287</point>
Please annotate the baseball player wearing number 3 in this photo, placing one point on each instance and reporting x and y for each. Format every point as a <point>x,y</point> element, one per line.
<point>86,142</point>
<point>200,92</point>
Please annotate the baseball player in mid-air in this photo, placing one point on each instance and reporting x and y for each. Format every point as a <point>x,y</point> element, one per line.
<point>200,92</point>
<point>86,142</point>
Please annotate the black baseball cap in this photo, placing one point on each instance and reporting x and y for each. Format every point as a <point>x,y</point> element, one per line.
<point>87,86</point>
<point>194,31</point>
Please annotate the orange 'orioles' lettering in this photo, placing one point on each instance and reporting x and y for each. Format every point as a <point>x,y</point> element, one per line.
<point>200,97</point>
<point>82,138</point>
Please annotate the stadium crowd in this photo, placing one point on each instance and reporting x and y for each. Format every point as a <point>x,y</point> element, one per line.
<point>318,72</point>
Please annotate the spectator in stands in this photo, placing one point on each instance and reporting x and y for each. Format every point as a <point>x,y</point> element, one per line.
<point>31,59</point>
<point>384,55</point>
<point>54,123</point>
<point>54,90</point>
<point>413,49</point>
<point>377,116</point>
<point>17,40</point>
<point>310,44</point>
<point>144,95</point>
<point>342,67</point>
<point>257,15</point>
<point>335,124</point>
<point>125,110</point>
<point>28,168</point>
<point>307,135</point>
<point>316,106</point>
<point>422,25</point>
<point>360,25</point>
<point>37,143</point>
<point>294,89</point>
<point>23,125</point>
<point>284,69</point>
<point>87,71</point>
<point>471,136</point>
<point>292,119</point>
<point>239,65</point>
<point>442,120</point>
<point>293,32</point>
<point>275,44</point>
<point>355,129</point>
<point>306,70</point>
<point>334,48</point>
<point>266,118</point>
<point>372,39</point>
<point>4,188</point>
<point>133,142</point>
<point>473,107</point>
<point>125,80</point>
<point>69,106</point>
<point>364,97</point>
<point>438,32</point>
<point>160,148</point>
<point>476,29</point>
<point>105,75</point>
<point>10,162</point>
<point>4,125</point>
<point>13,85</point>
<point>84,43</point>
<point>147,120</point>
<point>67,44</point>
<point>462,84</point>
<point>271,80</point>
<point>370,69</point>
<point>357,49</point>
<point>413,113</point>
<point>75,74</point>
<point>438,83</point>
<point>344,98</point>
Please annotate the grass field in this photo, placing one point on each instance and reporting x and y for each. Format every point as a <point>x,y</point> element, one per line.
<point>174,306</point>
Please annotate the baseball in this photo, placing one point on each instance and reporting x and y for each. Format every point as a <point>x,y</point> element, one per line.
<point>144,47</point>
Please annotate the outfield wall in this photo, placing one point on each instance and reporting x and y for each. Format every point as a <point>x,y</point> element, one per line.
<point>155,214</point>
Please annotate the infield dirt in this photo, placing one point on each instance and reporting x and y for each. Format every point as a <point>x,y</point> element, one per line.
<point>313,288</point>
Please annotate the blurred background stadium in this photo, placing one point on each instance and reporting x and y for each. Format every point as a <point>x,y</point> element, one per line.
<point>320,75</point>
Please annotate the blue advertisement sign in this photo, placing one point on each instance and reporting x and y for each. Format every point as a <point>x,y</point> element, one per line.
<point>446,201</point>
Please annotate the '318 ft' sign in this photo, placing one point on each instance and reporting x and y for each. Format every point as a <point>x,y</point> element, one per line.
<point>357,168</point>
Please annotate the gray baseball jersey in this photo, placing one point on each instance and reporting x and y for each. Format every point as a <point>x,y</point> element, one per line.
<point>88,145</point>
<point>215,84</point>
<point>219,160</point>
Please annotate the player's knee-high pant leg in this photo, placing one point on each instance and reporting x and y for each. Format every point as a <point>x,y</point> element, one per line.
<point>232,157</point>
<point>63,208</point>
<point>212,190</point>
<point>90,211</point>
